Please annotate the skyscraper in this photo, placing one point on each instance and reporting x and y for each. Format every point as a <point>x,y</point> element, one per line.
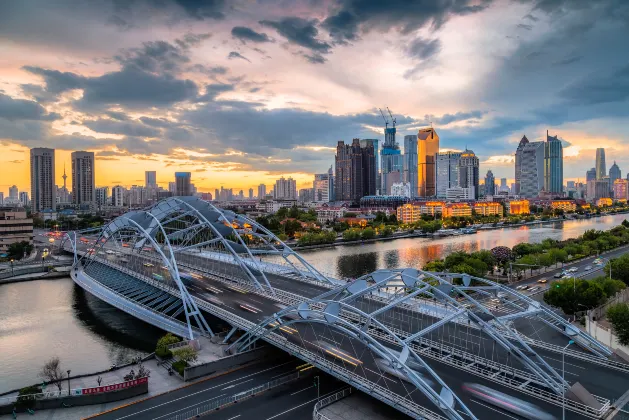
<point>614,173</point>
<point>531,169</point>
<point>553,165</point>
<point>150,179</point>
<point>518,164</point>
<point>321,187</point>
<point>411,166</point>
<point>43,188</point>
<point>261,192</point>
<point>447,172</point>
<point>250,193</point>
<point>427,148</point>
<point>590,175</point>
<point>392,162</point>
<point>601,167</point>
<point>285,189</point>
<point>83,178</point>
<point>182,184</point>
<point>469,171</point>
<point>503,185</point>
<point>102,196</point>
<point>24,198</point>
<point>369,170</point>
<point>490,183</point>
<point>355,171</point>
<point>117,196</point>
<point>376,149</point>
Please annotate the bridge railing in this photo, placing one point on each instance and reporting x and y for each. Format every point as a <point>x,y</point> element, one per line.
<point>324,402</point>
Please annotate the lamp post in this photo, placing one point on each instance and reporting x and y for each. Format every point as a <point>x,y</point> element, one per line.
<point>11,266</point>
<point>563,379</point>
<point>69,381</point>
<point>317,383</point>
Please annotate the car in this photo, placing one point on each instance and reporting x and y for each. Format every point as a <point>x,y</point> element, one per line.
<point>573,270</point>
<point>495,300</point>
<point>534,289</point>
<point>109,252</point>
<point>542,281</point>
<point>148,264</point>
<point>558,275</point>
<point>519,287</point>
<point>526,286</point>
<point>587,268</point>
<point>567,276</point>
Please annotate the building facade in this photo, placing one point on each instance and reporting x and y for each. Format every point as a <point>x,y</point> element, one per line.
<point>490,183</point>
<point>518,207</point>
<point>102,196</point>
<point>553,165</point>
<point>427,149</point>
<point>411,164</point>
<point>531,169</point>
<point>261,192</point>
<point>117,196</point>
<point>621,191</point>
<point>15,227</point>
<point>601,167</point>
<point>518,164</point>
<point>447,172</point>
<point>355,171</point>
<point>568,206</point>
<point>598,188</point>
<point>469,171</point>
<point>183,185</point>
<point>83,178</point>
<point>488,208</point>
<point>150,179</point>
<point>43,188</point>
<point>285,189</point>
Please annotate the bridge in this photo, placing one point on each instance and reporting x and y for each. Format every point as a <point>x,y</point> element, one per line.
<point>432,345</point>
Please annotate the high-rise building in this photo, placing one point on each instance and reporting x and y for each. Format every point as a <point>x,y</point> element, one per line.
<point>24,198</point>
<point>376,150</point>
<point>182,184</point>
<point>614,173</point>
<point>285,189</point>
<point>447,171</point>
<point>13,193</point>
<point>43,188</point>
<point>490,183</point>
<point>411,166</point>
<point>553,165</point>
<point>355,171</point>
<point>598,188</point>
<point>590,175</point>
<point>306,195</point>
<point>117,196</point>
<point>503,185</point>
<point>518,164</point>
<point>261,192</point>
<point>392,165</point>
<point>469,171</point>
<point>321,187</point>
<point>83,178</point>
<point>427,149</point>
<point>250,193</point>
<point>531,169</point>
<point>601,167</point>
<point>1,198</point>
<point>621,189</point>
<point>102,196</point>
<point>150,179</point>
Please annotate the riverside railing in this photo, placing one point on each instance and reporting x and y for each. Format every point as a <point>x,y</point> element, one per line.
<point>324,402</point>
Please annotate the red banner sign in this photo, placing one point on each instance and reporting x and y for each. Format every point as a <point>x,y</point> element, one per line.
<point>114,387</point>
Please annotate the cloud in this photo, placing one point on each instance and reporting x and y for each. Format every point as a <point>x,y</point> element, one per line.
<point>300,32</point>
<point>197,9</point>
<point>235,54</point>
<point>120,116</point>
<point>245,34</point>
<point>446,119</point>
<point>314,58</point>
<point>127,128</point>
<point>524,26</point>
<point>56,81</point>
<point>21,109</point>
<point>599,88</point>
<point>423,49</point>
<point>158,122</point>
<point>212,91</point>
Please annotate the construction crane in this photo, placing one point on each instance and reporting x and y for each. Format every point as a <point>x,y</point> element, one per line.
<point>386,122</point>
<point>392,119</point>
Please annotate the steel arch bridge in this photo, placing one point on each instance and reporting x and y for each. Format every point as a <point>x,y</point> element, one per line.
<point>392,333</point>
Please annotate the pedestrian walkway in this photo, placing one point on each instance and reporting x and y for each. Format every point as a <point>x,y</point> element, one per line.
<point>359,406</point>
<point>159,382</point>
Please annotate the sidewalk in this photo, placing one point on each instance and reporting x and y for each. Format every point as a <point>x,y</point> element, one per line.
<point>358,406</point>
<point>159,382</point>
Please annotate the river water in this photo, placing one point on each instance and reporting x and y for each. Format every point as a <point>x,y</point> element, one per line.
<point>46,318</point>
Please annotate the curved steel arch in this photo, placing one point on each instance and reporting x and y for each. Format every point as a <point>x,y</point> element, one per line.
<point>330,317</point>
<point>190,306</point>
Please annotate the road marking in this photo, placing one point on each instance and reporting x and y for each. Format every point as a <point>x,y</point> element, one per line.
<point>493,409</point>
<point>235,417</point>
<point>186,408</point>
<point>203,390</point>
<point>235,385</point>
<point>568,363</point>
<point>312,386</point>
<point>307,402</point>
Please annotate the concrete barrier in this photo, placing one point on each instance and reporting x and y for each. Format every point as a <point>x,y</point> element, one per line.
<point>231,362</point>
<point>77,400</point>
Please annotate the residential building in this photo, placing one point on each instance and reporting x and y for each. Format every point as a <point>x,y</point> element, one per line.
<point>456,210</point>
<point>590,175</point>
<point>402,189</point>
<point>13,193</point>
<point>329,214</point>
<point>83,178</point>
<point>447,172</point>
<point>621,189</point>
<point>531,169</point>
<point>469,171</point>
<point>241,195</point>
<point>355,171</point>
<point>383,201</point>
<point>137,196</point>
<point>1,199</point>
<point>565,205</point>
<point>150,179</point>
<point>427,149</point>
<point>411,166</point>
<point>518,207</point>
<point>117,196</point>
<point>553,165</point>
<point>604,202</point>
<point>376,150</point>
<point>306,195</point>
<point>432,208</point>
<point>598,188</point>
<point>614,173</point>
<point>518,165</point>
<point>24,201</point>
<point>182,184</point>
<point>460,193</point>
<point>408,213</point>
<point>488,208</point>
<point>14,227</point>
<point>272,206</point>
<point>172,188</point>
<point>601,167</point>
<point>43,188</point>
<point>321,187</point>
<point>250,194</point>
<point>490,183</point>
<point>285,189</point>
<point>261,191</point>
<point>102,196</point>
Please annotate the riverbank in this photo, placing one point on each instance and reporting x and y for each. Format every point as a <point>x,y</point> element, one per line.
<point>35,276</point>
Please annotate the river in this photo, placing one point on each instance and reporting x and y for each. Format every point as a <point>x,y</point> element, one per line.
<point>46,318</point>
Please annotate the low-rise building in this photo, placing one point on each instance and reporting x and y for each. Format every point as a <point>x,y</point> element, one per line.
<point>621,189</point>
<point>14,227</point>
<point>273,206</point>
<point>604,202</point>
<point>488,208</point>
<point>456,210</point>
<point>565,205</point>
<point>518,207</point>
<point>329,213</point>
<point>408,213</point>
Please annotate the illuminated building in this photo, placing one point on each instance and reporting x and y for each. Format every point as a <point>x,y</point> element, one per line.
<point>409,213</point>
<point>565,205</point>
<point>456,210</point>
<point>488,208</point>
<point>604,202</point>
<point>427,148</point>
<point>518,207</point>
<point>621,189</point>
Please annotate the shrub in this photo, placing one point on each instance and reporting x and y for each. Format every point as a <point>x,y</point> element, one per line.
<point>161,349</point>
<point>24,398</point>
<point>163,353</point>
<point>180,366</point>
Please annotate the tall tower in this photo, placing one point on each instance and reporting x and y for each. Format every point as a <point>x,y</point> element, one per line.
<point>490,183</point>
<point>427,149</point>
<point>410,162</point>
<point>469,171</point>
<point>553,165</point>
<point>518,164</point>
<point>601,167</point>
<point>43,188</point>
<point>65,177</point>
<point>83,178</point>
<point>183,186</point>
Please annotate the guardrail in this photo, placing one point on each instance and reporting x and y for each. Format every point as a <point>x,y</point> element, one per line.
<point>217,404</point>
<point>324,402</point>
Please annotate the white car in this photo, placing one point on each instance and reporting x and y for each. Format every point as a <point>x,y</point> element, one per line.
<point>587,268</point>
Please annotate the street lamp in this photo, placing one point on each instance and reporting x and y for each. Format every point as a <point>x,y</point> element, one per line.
<point>563,379</point>
<point>317,383</point>
<point>69,381</point>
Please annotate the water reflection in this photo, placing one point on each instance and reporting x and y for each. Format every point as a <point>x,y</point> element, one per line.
<point>357,265</point>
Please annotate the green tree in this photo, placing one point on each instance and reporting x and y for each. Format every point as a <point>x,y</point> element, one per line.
<point>18,250</point>
<point>436,266</point>
<point>186,354</point>
<point>368,233</point>
<point>351,235</point>
<point>387,231</point>
<point>161,348</point>
<point>570,295</point>
<point>610,286</point>
<point>620,268</point>
<point>618,316</point>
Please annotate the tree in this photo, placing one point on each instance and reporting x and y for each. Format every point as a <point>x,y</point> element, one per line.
<point>618,316</point>
<point>620,268</point>
<point>51,372</point>
<point>436,266</point>
<point>571,295</point>
<point>161,349</point>
<point>18,250</point>
<point>368,233</point>
<point>186,354</point>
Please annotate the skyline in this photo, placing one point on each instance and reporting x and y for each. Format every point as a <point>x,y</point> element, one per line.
<point>249,94</point>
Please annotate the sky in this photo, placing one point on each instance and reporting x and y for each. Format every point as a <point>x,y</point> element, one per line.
<point>242,92</point>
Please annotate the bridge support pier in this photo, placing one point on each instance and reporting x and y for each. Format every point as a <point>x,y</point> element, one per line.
<point>229,335</point>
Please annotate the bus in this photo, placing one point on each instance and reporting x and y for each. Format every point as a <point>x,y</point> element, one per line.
<point>158,277</point>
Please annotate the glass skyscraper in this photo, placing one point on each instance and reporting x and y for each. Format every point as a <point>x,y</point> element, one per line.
<point>447,172</point>
<point>601,167</point>
<point>553,165</point>
<point>410,162</point>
